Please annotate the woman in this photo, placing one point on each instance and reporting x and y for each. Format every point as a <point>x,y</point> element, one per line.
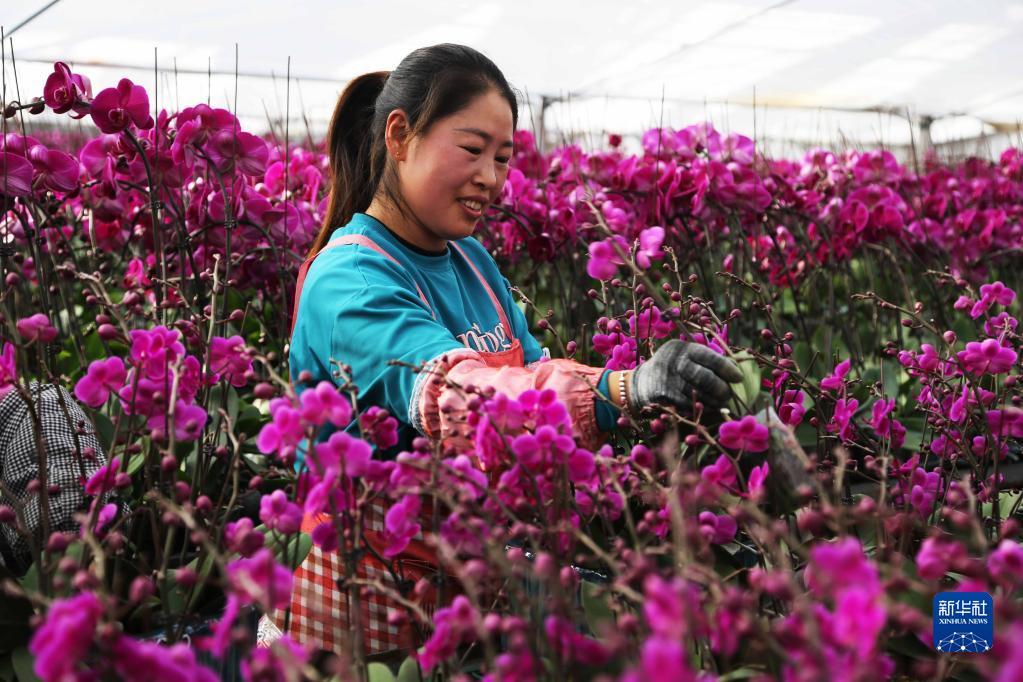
<point>417,155</point>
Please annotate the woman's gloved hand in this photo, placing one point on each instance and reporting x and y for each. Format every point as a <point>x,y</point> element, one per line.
<point>679,371</point>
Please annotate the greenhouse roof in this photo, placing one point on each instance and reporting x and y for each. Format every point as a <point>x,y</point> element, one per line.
<point>821,71</point>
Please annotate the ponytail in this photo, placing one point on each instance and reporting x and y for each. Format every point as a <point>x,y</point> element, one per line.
<point>356,155</point>
<point>429,84</point>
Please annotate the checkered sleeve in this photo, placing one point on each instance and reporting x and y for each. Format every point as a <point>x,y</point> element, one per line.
<point>73,453</point>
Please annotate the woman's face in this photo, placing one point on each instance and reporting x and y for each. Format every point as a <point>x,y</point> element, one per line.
<point>450,175</point>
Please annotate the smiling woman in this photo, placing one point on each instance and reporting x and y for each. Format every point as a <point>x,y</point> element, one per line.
<point>418,155</point>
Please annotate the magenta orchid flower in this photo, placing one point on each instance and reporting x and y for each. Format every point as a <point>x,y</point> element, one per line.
<point>189,421</point>
<point>8,369</point>
<point>36,328</point>
<point>284,432</point>
<point>604,259</point>
<point>836,565</point>
<point>155,350</point>
<point>259,579</point>
<point>66,91</point>
<point>324,403</point>
<point>756,481</point>
<point>241,537</point>
<point>836,379</point>
<point>55,170</point>
<point>937,556</point>
<point>791,410</point>
<point>102,377</point>
<point>142,661</point>
<point>987,357</point>
<point>450,626</point>
<point>114,109</point>
<point>379,427</point>
<point>65,636</point>
<point>15,175</point>
<point>279,513</point>
<point>343,454</point>
<point>990,294</point>
<point>746,434</point>
<point>400,525</point>
<point>1006,563</point>
<point>717,529</point>
<point>721,472</point>
<point>230,360</point>
<point>105,478</point>
<point>841,422</point>
<point>228,148</point>
<point>650,241</point>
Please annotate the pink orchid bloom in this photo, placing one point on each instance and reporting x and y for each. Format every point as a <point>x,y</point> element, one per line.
<point>717,529</point>
<point>342,453</point>
<point>284,432</point>
<point>1006,422</point>
<point>324,536</point>
<point>228,148</point>
<point>990,294</point>
<point>279,513</point>
<point>135,275</point>
<point>746,434</point>
<point>102,377</point>
<point>791,410</point>
<point>155,350</point>
<point>842,421</point>
<point>241,537</point>
<point>987,357</point>
<point>15,175</point>
<point>55,170</point>
<point>66,91</point>
<point>36,328</point>
<point>324,403</point>
<point>664,606</point>
<point>757,479</point>
<point>8,369</point>
<point>604,259</point>
<point>379,427</point>
<point>114,109</point>
<point>838,564</point>
<point>104,479</point>
<point>189,421</point>
<point>450,626</point>
<point>937,556</point>
<point>963,303</point>
<point>721,472</point>
<point>261,580</point>
<point>141,661</point>
<point>650,241</point>
<point>1005,564</point>
<point>65,636</point>
<point>400,525</point>
<point>836,379</point>
<point>230,359</point>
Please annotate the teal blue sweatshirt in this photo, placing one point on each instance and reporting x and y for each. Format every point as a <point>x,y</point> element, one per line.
<point>360,308</point>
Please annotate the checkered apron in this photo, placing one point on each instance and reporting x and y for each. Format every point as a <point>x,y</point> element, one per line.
<point>320,613</point>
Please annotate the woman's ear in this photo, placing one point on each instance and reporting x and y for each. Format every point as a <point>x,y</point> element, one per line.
<point>397,134</point>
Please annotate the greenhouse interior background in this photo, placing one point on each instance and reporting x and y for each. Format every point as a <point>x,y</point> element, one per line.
<point>796,74</point>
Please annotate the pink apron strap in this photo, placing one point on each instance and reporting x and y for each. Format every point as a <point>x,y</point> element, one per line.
<point>490,292</point>
<point>361,240</point>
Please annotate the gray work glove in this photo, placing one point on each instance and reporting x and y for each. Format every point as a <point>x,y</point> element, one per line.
<point>679,372</point>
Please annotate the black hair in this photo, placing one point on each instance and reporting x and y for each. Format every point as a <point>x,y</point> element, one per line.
<point>428,85</point>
